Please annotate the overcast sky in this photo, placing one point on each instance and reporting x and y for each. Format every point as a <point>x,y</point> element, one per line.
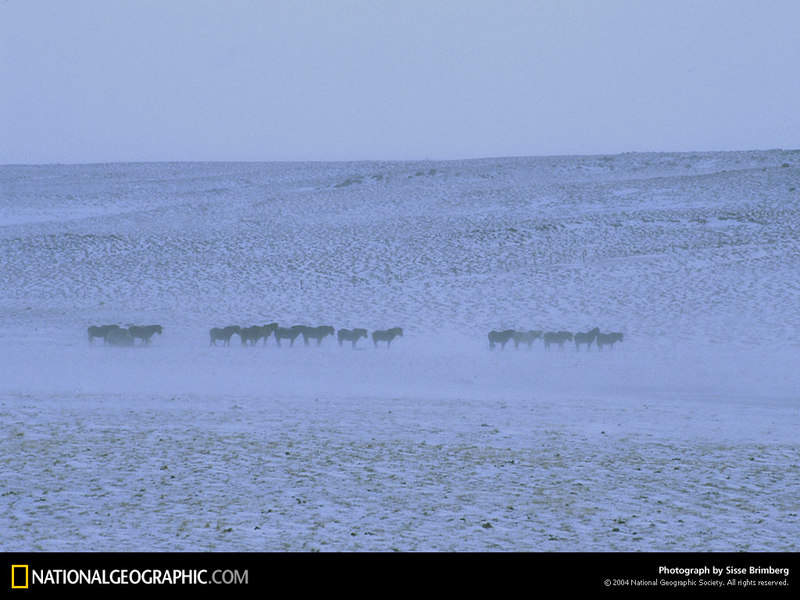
<point>136,80</point>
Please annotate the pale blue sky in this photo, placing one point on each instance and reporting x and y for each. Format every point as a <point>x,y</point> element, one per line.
<point>110,80</point>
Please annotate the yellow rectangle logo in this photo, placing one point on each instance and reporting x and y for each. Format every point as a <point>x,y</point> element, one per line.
<point>19,574</point>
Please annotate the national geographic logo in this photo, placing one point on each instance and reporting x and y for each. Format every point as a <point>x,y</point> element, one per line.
<point>23,577</point>
<point>19,577</point>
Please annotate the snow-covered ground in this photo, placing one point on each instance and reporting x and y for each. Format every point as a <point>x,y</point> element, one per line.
<point>683,437</point>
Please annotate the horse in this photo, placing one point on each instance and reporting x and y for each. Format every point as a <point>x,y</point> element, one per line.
<point>526,337</point>
<point>100,331</point>
<point>586,338</point>
<point>317,333</point>
<point>145,333</point>
<point>557,337</point>
<point>500,337</point>
<point>120,337</point>
<point>386,335</point>
<point>256,332</point>
<point>348,335</point>
<point>607,339</point>
<point>268,330</point>
<point>250,335</point>
<point>224,334</point>
<point>288,333</point>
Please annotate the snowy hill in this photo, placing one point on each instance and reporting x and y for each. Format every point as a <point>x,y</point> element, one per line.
<point>693,256</point>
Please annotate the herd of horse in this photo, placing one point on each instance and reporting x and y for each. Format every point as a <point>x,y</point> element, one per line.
<point>255,333</point>
<point>115,335</point>
<point>557,338</point>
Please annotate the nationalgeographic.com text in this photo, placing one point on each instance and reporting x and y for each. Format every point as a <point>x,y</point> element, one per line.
<point>138,577</point>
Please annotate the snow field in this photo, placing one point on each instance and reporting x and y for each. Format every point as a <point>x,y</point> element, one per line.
<point>683,437</point>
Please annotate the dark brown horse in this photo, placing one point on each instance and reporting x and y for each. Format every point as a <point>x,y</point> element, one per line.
<point>145,333</point>
<point>224,334</point>
<point>254,333</point>
<point>586,338</point>
<point>608,339</point>
<point>386,335</point>
<point>317,333</point>
<point>289,333</point>
<point>500,337</point>
<point>557,337</point>
<point>526,337</point>
<point>351,335</point>
<point>100,331</point>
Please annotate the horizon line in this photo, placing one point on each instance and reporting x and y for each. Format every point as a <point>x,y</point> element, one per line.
<point>389,160</point>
